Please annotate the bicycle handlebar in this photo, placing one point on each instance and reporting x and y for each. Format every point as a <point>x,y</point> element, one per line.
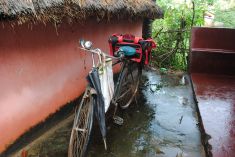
<point>98,52</point>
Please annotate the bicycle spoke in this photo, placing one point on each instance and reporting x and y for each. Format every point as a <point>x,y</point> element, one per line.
<point>128,84</point>
<point>82,127</point>
<point>125,84</point>
<point>120,97</point>
<point>132,75</point>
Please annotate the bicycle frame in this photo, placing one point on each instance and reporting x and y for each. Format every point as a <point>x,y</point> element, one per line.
<point>121,59</point>
<point>116,93</point>
<point>128,67</point>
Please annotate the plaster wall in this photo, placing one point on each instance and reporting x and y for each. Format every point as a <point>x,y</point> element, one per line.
<point>42,69</point>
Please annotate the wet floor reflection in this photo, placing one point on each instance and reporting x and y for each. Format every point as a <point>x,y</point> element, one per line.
<point>162,124</point>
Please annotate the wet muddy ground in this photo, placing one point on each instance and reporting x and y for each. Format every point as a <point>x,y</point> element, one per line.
<point>163,123</point>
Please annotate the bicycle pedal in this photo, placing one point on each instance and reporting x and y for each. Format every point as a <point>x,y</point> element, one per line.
<point>118,120</point>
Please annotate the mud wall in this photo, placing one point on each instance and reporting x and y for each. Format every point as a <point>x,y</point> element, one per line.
<point>42,68</point>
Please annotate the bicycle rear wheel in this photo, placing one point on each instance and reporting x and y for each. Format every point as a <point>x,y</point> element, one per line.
<point>128,83</point>
<point>83,121</point>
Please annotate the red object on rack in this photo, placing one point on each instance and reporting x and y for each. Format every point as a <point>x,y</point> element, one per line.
<point>143,47</point>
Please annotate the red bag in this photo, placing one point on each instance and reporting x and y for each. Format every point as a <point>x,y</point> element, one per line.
<point>143,47</point>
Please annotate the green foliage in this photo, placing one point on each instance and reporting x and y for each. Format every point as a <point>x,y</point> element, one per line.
<point>173,32</point>
<point>226,16</point>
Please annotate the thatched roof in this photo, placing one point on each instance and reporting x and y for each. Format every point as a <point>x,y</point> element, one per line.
<point>54,10</point>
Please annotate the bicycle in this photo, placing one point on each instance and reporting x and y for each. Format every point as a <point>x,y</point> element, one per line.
<point>124,93</point>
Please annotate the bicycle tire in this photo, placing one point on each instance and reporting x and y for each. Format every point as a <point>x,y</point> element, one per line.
<point>129,82</point>
<point>82,125</point>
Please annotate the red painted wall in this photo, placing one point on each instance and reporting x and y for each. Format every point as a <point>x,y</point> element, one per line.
<point>212,51</point>
<point>42,68</point>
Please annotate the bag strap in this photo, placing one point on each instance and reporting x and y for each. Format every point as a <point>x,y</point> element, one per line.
<point>102,60</point>
<point>120,38</point>
<point>137,39</point>
<point>99,59</point>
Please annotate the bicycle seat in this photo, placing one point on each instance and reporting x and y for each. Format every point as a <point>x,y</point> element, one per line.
<point>128,50</point>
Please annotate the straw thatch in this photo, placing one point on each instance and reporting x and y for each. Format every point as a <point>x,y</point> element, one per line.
<point>54,10</point>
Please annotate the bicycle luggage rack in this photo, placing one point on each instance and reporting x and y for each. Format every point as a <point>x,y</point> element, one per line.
<point>116,41</point>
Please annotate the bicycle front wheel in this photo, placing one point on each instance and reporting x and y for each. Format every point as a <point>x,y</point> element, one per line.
<point>128,83</point>
<point>82,126</point>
